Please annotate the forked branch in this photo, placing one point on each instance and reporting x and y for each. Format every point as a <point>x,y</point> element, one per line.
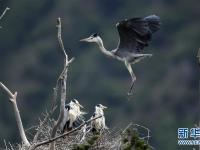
<point>62,82</point>
<point>13,100</point>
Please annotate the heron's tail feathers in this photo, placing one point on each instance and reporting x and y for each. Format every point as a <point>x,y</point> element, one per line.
<point>154,22</point>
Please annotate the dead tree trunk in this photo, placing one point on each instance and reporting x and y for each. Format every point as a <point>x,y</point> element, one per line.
<point>62,82</point>
<point>13,100</point>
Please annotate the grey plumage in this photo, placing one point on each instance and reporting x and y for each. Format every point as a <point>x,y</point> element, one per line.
<point>98,125</point>
<point>73,116</point>
<point>135,34</point>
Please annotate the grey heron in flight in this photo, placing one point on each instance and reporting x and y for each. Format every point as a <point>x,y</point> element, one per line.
<point>72,116</point>
<point>135,34</point>
<point>98,125</point>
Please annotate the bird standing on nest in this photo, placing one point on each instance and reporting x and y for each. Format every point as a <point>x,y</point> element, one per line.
<point>72,116</point>
<point>135,34</point>
<point>98,125</point>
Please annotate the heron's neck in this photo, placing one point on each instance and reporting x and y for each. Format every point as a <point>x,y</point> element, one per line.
<point>99,112</point>
<point>102,48</point>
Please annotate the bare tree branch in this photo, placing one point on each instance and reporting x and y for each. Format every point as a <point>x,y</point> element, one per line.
<point>7,90</point>
<point>148,132</point>
<point>43,124</point>
<point>5,144</point>
<point>63,135</point>
<point>13,100</point>
<point>62,80</point>
<point>4,12</point>
<point>11,147</point>
<point>60,37</point>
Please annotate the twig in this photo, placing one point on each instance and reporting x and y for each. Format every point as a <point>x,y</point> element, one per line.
<point>13,100</point>
<point>62,82</point>
<point>63,135</point>
<point>32,127</point>
<point>148,131</point>
<point>60,37</point>
<point>43,124</point>
<point>7,90</point>
<point>11,146</point>
<point>5,144</point>
<point>3,14</point>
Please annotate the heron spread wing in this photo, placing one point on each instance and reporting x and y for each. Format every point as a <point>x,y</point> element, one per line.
<point>135,33</point>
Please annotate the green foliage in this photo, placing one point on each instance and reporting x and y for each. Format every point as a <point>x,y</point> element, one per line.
<point>88,144</point>
<point>82,147</point>
<point>131,140</point>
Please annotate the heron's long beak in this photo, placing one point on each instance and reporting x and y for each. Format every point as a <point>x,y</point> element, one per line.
<point>104,107</point>
<point>85,40</point>
<point>80,106</point>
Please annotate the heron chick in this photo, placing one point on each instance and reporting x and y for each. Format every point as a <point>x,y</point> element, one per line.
<point>98,124</point>
<point>135,34</point>
<point>72,116</point>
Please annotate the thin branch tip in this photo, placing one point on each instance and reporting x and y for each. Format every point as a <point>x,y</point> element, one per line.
<point>10,94</point>
<point>4,12</point>
<point>71,60</point>
<point>13,98</point>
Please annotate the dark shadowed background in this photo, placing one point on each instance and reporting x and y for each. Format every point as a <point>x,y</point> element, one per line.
<point>165,94</point>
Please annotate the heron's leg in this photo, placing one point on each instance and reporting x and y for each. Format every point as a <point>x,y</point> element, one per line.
<point>139,57</point>
<point>133,77</point>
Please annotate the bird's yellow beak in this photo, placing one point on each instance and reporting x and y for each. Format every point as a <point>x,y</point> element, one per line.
<point>80,106</point>
<point>85,40</point>
<point>104,107</point>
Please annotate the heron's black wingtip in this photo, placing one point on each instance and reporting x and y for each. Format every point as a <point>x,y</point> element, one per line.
<point>153,22</point>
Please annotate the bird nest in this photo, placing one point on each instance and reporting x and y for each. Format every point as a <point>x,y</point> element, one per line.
<point>132,137</point>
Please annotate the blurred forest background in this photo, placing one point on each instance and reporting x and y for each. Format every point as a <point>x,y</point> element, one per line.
<point>166,91</point>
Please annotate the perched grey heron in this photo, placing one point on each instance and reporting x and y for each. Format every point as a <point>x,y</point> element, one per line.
<point>135,34</point>
<point>98,125</point>
<point>73,115</point>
